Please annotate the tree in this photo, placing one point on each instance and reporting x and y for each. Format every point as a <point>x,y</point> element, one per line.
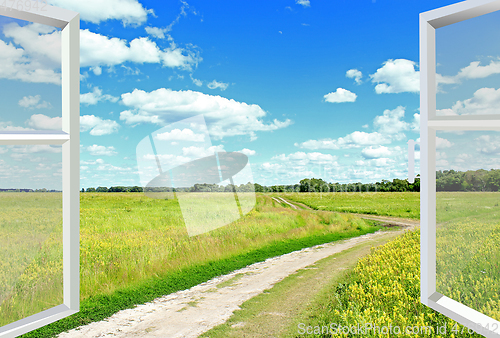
<point>102,189</point>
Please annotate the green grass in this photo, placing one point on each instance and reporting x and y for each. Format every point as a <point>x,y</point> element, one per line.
<point>30,266</point>
<point>397,204</point>
<point>468,249</point>
<point>135,249</point>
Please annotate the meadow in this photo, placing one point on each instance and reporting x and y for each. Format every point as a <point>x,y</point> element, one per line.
<point>398,204</point>
<point>384,288</point>
<point>134,249</point>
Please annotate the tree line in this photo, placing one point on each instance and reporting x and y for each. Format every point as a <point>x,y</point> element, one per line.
<point>319,185</point>
<point>471,180</point>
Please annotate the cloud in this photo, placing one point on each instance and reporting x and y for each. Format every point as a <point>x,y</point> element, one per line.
<point>32,102</point>
<point>39,148</point>
<point>484,101</point>
<point>199,152</point>
<point>341,95</point>
<point>442,143</point>
<point>415,125</point>
<point>181,135</point>
<point>224,117</point>
<point>100,50</point>
<point>34,63</point>
<point>247,152</point>
<point>129,12</point>
<point>221,85</point>
<point>197,82</point>
<point>356,139</point>
<point>391,123</point>
<point>354,74</point>
<point>98,126</point>
<point>97,150</point>
<point>487,144</point>
<point>397,76</point>
<point>376,152</point>
<point>306,157</point>
<point>156,32</point>
<point>43,122</point>
<point>96,96</point>
<point>305,3</point>
<point>475,71</point>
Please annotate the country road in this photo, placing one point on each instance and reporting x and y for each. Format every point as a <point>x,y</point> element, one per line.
<point>192,312</point>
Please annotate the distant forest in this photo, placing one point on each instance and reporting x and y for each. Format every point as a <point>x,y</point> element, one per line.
<point>305,185</point>
<point>447,180</point>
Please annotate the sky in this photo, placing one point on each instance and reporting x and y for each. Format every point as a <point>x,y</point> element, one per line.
<point>304,88</point>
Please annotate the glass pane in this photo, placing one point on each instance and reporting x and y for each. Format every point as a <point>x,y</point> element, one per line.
<point>468,67</point>
<point>214,188</point>
<point>30,75</point>
<point>468,219</point>
<point>31,275</point>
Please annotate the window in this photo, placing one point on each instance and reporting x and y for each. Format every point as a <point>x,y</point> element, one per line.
<point>456,136</point>
<point>68,138</point>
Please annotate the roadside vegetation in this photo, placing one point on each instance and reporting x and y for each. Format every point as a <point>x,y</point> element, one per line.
<point>383,290</point>
<point>135,249</point>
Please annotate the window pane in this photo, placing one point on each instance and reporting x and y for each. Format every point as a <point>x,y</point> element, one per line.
<point>30,75</point>
<point>31,275</point>
<point>468,67</point>
<point>468,219</point>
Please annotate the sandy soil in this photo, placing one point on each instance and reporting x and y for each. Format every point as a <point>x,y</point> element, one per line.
<point>192,312</point>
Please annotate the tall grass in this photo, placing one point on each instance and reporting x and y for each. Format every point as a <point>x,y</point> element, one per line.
<point>30,262</point>
<point>134,249</point>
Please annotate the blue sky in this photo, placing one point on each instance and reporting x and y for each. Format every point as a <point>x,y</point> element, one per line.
<point>324,89</point>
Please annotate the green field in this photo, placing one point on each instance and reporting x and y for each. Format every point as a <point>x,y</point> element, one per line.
<point>135,249</point>
<point>398,204</point>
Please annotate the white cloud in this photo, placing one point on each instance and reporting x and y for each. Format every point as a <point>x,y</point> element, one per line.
<point>98,126</point>
<point>197,82</point>
<point>340,95</point>
<point>96,96</point>
<point>475,71</point>
<point>100,50</point>
<point>224,117</point>
<point>156,32</point>
<point>354,74</point>
<point>391,123</point>
<point>19,64</point>
<point>43,122</point>
<point>397,76</point>
<point>97,150</point>
<point>305,3</point>
<point>306,157</point>
<point>32,102</point>
<point>199,152</point>
<point>96,70</point>
<point>181,135</point>
<point>129,12</point>
<point>415,125</point>
<point>354,140</point>
<point>221,85</point>
<point>376,152</point>
<point>247,152</point>
<point>485,101</point>
<point>487,144</point>
<point>42,148</point>
<point>442,143</point>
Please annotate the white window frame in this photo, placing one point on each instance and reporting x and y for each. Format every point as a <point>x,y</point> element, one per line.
<point>69,138</point>
<point>429,124</point>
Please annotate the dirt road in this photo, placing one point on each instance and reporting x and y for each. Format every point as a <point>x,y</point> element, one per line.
<point>192,312</point>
